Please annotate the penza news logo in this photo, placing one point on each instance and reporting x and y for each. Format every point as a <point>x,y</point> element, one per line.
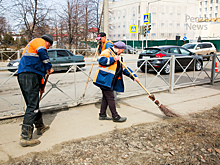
<point>192,24</point>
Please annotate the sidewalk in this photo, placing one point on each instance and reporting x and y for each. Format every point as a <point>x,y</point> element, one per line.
<point>82,121</point>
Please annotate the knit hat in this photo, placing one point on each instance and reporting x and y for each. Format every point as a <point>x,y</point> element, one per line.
<point>101,34</point>
<point>48,38</point>
<point>120,45</point>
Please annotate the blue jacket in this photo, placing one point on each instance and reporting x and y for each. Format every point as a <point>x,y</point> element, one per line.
<point>35,58</point>
<point>109,74</point>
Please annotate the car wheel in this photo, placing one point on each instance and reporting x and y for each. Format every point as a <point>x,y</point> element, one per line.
<point>166,69</point>
<point>198,66</point>
<point>211,56</point>
<point>143,69</point>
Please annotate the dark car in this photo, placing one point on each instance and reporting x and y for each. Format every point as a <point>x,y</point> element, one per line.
<point>129,50</point>
<point>167,51</point>
<point>57,56</point>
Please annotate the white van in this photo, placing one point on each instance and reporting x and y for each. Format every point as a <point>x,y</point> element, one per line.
<point>201,48</point>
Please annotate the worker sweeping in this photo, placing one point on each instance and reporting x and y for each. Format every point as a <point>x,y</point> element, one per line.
<point>33,66</point>
<point>109,78</point>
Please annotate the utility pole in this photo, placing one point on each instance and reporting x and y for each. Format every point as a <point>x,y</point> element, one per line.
<point>106,17</point>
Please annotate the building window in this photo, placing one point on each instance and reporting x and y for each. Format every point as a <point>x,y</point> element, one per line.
<point>210,8</point>
<point>124,26</point>
<point>216,8</point>
<point>170,35</point>
<point>153,35</point>
<point>153,25</point>
<point>205,9</point>
<point>178,25</point>
<point>114,27</point>
<point>119,36</point>
<point>124,17</point>
<point>211,1</point>
<point>210,15</point>
<point>162,25</point>
<point>206,2</point>
<point>133,15</point>
<point>216,15</point>
<point>119,27</point>
<point>200,9</point>
<point>118,17</point>
<point>162,34</point>
<point>200,3</point>
<point>139,9</point>
<point>205,15</point>
<point>170,25</point>
<point>216,1</point>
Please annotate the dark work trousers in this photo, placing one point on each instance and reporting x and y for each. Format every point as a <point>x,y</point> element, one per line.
<point>108,99</point>
<point>30,84</point>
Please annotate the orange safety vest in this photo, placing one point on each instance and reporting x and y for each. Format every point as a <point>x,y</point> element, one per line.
<point>103,47</point>
<point>33,46</point>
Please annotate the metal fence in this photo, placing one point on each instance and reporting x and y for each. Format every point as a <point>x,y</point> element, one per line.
<point>67,89</point>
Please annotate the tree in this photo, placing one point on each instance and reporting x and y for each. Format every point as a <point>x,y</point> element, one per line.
<point>31,14</point>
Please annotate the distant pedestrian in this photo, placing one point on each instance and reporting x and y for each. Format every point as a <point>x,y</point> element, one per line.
<point>105,43</point>
<point>109,78</point>
<point>33,66</point>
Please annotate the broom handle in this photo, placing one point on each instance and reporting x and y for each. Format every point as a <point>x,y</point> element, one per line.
<point>91,68</point>
<point>130,73</point>
<point>41,92</point>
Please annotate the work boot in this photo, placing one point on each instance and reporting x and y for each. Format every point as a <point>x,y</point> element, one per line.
<point>26,136</point>
<point>41,128</point>
<point>104,117</point>
<point>119,119</point>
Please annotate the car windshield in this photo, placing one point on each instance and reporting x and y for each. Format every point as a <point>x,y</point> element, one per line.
<point>189,46</point>
<point>129,46</point>
<point>150,51</point>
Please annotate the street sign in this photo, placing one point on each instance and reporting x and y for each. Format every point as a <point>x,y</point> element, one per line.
<point>146,18</point>
<point>133,28</point>
<point>184,38</point>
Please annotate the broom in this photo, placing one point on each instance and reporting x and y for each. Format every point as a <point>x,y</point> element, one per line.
<point>41,91</point>
<point>165,110</point>
<point>94,58</point>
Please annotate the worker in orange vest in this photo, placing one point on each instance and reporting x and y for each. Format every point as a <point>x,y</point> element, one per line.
<point>109,78</point>
<point>33,66</point>
<point>104,43</point>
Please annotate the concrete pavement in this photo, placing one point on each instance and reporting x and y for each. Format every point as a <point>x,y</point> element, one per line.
<point>82,121</point>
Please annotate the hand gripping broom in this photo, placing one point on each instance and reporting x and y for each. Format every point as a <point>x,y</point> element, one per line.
<point>165,110</point>
<point>41,92</point>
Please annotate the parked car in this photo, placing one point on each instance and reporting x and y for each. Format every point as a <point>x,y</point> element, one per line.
<point>129,50</point>
<point>201,48</point>
<point>167,51</point>
<point>57,56</point>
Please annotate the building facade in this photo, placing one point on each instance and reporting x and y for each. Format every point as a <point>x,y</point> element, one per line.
<point>169,18</point>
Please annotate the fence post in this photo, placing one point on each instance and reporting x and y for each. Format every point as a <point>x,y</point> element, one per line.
<point>172,70</point>
<point>18,56</point>
<point>213,69</point>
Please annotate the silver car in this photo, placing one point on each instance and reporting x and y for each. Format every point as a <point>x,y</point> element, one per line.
<point>201,48</point>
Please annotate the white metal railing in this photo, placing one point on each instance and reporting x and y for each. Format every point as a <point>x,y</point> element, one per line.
<point>66,89</point>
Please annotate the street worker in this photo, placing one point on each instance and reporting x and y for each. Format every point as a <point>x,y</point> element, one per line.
<point>109,78</point>
<point>33,66</point>
<point>104,43</point>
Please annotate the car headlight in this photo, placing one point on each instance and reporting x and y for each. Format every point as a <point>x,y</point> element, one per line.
<point>15,64</point>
